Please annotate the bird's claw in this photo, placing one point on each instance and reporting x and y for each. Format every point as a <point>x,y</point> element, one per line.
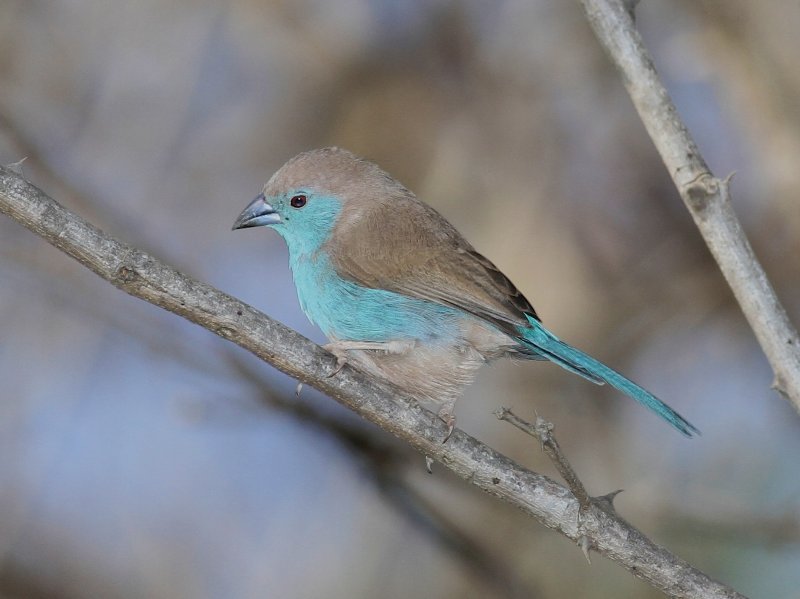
<point>450,420</point>
<point>341,358</point>
<point>340,362</point>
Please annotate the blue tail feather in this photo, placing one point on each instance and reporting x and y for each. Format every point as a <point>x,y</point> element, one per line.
<point>543,342</point>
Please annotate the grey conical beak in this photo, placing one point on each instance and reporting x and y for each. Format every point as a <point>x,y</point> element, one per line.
<point>257,214</point>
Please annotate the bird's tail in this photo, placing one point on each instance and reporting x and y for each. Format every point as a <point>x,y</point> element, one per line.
<point>543,342</point>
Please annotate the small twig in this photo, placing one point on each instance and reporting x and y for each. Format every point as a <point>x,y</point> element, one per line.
<point>543,430</point>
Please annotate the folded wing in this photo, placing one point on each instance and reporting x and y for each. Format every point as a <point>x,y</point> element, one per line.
<point>405,246</point>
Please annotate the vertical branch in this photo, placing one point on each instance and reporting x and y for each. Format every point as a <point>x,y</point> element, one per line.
<point>706,196</point>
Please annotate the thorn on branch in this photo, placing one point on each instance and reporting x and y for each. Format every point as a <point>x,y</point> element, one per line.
<point>606,502</point>
<point>780,388</point>
<point>429,464</point>
<point>586,546</point>
<point>630,6</point>
<point>17,166</point>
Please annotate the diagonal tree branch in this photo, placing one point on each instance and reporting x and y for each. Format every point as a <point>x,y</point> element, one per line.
<point>141,275</point>
<point>706,196</point>
<point>385,463</point>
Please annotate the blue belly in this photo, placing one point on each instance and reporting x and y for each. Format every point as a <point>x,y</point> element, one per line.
<point>347,311</point>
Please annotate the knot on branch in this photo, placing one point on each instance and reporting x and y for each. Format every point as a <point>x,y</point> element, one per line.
<point>225,332</point>
<point>125,275</point>
<point>700,191</point>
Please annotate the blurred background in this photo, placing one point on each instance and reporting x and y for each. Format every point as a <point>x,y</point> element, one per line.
<point>142,456</point>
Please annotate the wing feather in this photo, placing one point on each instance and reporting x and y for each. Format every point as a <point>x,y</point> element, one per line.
<point>403,245</point>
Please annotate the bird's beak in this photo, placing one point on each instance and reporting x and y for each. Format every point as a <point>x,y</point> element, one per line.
<point>257,214</point>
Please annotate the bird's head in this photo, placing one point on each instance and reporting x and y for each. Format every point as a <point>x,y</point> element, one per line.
<point>306,198</point>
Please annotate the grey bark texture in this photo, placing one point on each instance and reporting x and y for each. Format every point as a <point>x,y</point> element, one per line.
<point>143,276</point>
<point>706,196</point>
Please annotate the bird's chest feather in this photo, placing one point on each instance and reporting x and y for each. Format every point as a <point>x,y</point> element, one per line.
<point>347,311</point>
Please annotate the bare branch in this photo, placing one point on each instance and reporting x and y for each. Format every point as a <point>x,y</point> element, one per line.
<point>706,196</point>
<point>141,275</point>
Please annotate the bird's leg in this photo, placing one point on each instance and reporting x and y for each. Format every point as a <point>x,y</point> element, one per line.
<point>340,348</point>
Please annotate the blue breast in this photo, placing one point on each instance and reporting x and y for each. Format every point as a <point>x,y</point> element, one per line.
<point>348,311</point>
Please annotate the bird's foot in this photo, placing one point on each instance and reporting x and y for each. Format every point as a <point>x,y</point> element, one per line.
<point>447,416</point>
<point>340,348</point>
<point>340,353</point>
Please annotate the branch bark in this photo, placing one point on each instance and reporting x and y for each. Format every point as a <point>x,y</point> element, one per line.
<point>706,196</point>
<point>141,275</point>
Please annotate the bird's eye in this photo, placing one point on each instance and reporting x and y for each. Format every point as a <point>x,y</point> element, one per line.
<point>298,201</point>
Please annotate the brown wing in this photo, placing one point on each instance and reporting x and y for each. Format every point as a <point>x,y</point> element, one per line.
<point>405,246</point>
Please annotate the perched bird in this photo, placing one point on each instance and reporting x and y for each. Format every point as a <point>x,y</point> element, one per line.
<point>399,292</point>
